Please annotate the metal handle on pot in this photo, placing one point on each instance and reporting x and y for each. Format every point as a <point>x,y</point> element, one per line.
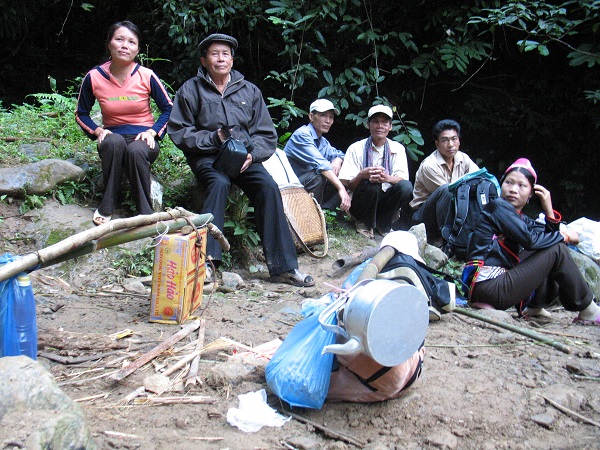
<point>335,306</point>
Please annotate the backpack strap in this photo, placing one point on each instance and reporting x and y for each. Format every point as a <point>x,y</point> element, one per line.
<point>461,205</point>
<point>483,192</point>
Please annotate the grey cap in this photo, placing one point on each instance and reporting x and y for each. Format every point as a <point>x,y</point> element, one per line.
<point>218,37</point>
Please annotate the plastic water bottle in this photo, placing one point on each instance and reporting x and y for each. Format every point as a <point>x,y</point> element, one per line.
<point>25,318</point>
<point>9,342</point>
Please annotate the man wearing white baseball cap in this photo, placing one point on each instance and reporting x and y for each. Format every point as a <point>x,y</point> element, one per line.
<point>375,170</point>
<point>315,161</point>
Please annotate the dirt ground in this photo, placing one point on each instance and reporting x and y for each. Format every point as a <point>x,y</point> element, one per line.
<point>483,386</point>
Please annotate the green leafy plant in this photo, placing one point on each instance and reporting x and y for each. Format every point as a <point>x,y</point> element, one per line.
<point>137,264</point>
<point>30,202</point>
<point>239,228</point>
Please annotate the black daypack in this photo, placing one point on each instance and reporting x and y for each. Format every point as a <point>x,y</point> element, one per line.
<point>469,195</point>
<point>439,288</point>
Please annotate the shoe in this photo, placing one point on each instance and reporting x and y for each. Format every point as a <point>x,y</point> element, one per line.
<point>99,219</point>
<point>579,321</point>
<point>434,314</point>
<point>536,312</point>
<point>363,229</point>
<point>293,277</point>
<point>208,274</point>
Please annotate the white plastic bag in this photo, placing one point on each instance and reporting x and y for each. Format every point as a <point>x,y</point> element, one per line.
<point>589,237</point>
<point>254,413</point>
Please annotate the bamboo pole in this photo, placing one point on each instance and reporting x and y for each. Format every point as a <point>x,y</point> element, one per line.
<point>345,262</point>
<point>531,334</point>
<point>377,263</point>
<point>87,241</point>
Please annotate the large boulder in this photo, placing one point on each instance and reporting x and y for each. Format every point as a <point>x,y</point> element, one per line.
<point>35,412</point>
<point>38,178</point>
<point>589,269</point>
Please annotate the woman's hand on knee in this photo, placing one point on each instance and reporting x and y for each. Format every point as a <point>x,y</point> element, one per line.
<point>147,137</point>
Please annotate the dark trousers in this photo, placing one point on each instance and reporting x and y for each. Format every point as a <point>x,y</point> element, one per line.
<point>376,208</point>
<point>271,223</point>
<point>319,186</point>
<point>550,272</point>
<point>434,212</point>
<point>123,154</point>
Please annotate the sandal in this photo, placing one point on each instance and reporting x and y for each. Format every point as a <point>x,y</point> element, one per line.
<point>579,321</point>
<point>363,229</point>
<point>99,219</point>
<point>293,277</point>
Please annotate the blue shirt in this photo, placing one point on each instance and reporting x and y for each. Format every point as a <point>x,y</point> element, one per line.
<point>308,152</point>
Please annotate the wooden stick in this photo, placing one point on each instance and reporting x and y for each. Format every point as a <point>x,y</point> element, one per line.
<point>196,400</point>
<point>67,360</point>
<point>570,411</point>
<point>123,435</point>
<point>328,431</point>
<point>532,334</point>
<point>126,371</point>
<point>202,438</point>
<point>91,397</point>
<point>192,376</point>
<point>139,391</point>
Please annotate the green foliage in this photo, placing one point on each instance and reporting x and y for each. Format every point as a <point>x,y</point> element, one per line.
<point>542,23</point>
<point>30,202</point>
<point>136,264</point>
<point>239,228</point>
<point>71,192</point>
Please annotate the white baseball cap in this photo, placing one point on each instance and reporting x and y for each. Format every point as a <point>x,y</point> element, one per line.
<point>403,241</point>
<point>322,105</point>
<point>380,109</point>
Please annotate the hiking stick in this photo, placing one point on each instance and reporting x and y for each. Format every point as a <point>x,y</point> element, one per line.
<point>531,334</point>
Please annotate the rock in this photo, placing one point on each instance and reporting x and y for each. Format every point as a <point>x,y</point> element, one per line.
<point>434,257</point>
<point>545,420</point>
<point>35,151</point>
<point>562,394</point>
<point>233,371</point>
<point>589,269</point>
<point>443,439</point>
<point>232,280</point>
<point>38,178</point>
<point>136,286</point>
<point>157,383</point>
<point>35,411</point>
<point>304,442</point>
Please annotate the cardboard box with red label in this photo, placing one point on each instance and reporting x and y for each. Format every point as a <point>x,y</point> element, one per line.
<point>178,261</point>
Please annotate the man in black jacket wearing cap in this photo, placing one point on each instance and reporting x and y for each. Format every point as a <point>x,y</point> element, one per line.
<point>206,108</point>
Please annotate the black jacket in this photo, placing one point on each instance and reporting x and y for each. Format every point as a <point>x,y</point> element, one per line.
<point>501,233</point>
<point>199,110</point>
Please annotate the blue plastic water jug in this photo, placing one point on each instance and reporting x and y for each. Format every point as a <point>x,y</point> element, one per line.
<point>25,317</point>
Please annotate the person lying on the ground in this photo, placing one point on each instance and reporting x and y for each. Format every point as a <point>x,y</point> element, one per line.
<point>206,108</point>
<point>514,260</point>
<point>128,139</point>
<point>315,161</point>
<point>431,200</point>
<point>375,170</point>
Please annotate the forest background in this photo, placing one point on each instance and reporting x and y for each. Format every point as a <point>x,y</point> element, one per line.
<point>522,77</point>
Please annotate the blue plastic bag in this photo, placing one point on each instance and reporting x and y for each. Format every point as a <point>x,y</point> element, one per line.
<point>298,372</point>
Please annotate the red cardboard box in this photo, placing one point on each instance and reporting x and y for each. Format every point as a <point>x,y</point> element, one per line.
<point>175,259</point>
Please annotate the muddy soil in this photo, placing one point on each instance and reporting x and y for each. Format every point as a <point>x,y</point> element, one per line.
<point>483,387</point>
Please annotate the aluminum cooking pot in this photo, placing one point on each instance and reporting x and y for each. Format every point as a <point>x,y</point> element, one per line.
<point>384,319</point>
